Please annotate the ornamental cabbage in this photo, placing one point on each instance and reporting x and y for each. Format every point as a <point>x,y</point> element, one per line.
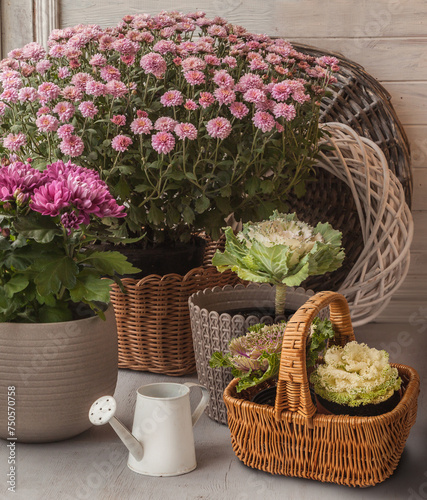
<point>355,375</point>
<point>282,251</point>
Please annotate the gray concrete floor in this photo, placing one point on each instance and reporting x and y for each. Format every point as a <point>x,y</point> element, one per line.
<point>93,465</point>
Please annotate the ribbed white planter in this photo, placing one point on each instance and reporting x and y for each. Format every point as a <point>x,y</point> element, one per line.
<point>50,374</point>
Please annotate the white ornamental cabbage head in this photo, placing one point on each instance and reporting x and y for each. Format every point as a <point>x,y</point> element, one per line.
<point>355,375</point>
<point>281,250</point>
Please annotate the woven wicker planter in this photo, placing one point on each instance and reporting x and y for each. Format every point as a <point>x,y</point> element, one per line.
<point>153,321</point>
<point>292,439</point>
<point>213,328</point>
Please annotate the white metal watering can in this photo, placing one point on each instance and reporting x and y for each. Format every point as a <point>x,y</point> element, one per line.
<point>162,441</point>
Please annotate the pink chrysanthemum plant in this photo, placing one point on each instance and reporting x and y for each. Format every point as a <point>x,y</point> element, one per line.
<point>187,119</point>
<point>47,220</point>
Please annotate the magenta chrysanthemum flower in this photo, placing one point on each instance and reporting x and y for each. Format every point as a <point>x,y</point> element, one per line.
<point>153,63</point>
<point>47,123</point>
<point>141,125</point>
<point>27,94</point>
<point>219,128</point>
<point>171,98</point>
<point>14,142</point>
<point>121,143</point>
<point>88,109</point>
<point>206,99</point>
<point>95,88</point>
<point>72,146</point>
<point>193,63</point>
<point>186,131</point>
<point>51,198</point>
<point>119,120</point>
<point>109,73</point>
<point>194,77</point>
<point>65,111</point>
<point>223,79</point>
<point>238,109</point>
<point>65,131</point>
<point>163,142</point>
<point>225,95</point>
<point>165,124</point>
<point>116,89</point>
<point>48,91</point>
<point>263,121</point>
<point>18,178</point>
<point>98,60</point>
<point>286,110</point>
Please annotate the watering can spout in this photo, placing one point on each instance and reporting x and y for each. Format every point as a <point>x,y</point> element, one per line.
<point>102,411</point>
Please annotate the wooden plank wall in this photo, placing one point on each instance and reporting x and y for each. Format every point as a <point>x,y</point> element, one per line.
<point>387,37</point>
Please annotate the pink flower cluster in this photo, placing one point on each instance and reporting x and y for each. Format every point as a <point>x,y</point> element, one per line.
<point>64,190</point>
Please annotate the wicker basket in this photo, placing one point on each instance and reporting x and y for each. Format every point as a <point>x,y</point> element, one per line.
<point>293,439</point>
<point>153,320</point>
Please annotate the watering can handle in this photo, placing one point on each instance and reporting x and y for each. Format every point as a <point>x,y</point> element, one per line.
<point>197,413</point>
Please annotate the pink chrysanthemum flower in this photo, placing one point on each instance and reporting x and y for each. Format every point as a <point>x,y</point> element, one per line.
<point>206,99</point>
<point>121,143</point>
<point>72,146</point>
<point>194,77</point>
<point>58,51</point>
<point>47,123</point>
<point>125,47</point>
<point>3,108</point>
<point>257,64</point>
<point>212,60</point>
<point>65,131</point>
<point>273,58</point>
<point>142,125</point>
<point>238,109</point>
<point>165,47</point>
<point>186,131</point>
<point>250,81</point>
<point>43,110</point>
<point>43,66</point>
<point>230,61</point>
<point>223,79</point>
<point>286,110</point>
<point>80,80</point>
<point>217,31</point>
<point>193,63</point>
<point>34,51</point>
<point>255,96</point>
<point>146,37</point>
<point>225,95</point>
<point>219,128</point>
<point>9,95</point>
<point>119,120</point>
<point>171,98</point>
<point>63,72</point>
<point>12,82</point>
<point>153,63</point>
<point>65,110</point>
<point>98,60</point>
<point>9,73</point>
<point>165,124</point>
<point>279,127</point>
<point>14,142</point>
<point>264,121</point>
<point>27,94</point>
<point>116,89</point>
<point>300,97</point>
<point>95,88</point>
<point>190,105</point>
<point>48,91</point>
<point>88,109</point>
<point>128,59</point>
<point>72,93</point>
<point>163,142</point>
<point>109,73</point>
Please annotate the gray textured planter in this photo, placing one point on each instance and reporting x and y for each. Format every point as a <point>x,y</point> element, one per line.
<point>57,370</point>
<point>213,328</point>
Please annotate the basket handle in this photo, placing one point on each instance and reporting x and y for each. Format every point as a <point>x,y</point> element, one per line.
<point>293,388</point>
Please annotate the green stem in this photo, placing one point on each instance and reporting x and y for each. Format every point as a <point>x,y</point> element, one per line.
<point>280,298</point>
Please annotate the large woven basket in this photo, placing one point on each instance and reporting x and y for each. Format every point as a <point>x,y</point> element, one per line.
<point>293,439</point>
<point>153,320</point>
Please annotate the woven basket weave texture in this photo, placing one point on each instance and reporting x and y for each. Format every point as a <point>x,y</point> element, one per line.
<point>293,439</point>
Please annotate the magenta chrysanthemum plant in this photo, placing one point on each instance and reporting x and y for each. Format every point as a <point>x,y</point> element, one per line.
<point>187,119</point>
<point>47,220</point>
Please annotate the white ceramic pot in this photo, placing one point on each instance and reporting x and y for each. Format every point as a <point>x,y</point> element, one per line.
<point>50,374</point>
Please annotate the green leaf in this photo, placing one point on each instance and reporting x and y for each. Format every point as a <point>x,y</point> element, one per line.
<point>188,215</point>
<point>90,288</point>
<point>42,229</point>
<point>202,204</point>
<point>155,215</point>
<point>59,271</point>
<point>61,312</point>
<point>16,284</point>
<point>250,379</point>
<point>108,263</point>
<point>219,360</point>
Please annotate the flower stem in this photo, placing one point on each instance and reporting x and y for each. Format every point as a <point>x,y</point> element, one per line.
<point>280,298</point>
